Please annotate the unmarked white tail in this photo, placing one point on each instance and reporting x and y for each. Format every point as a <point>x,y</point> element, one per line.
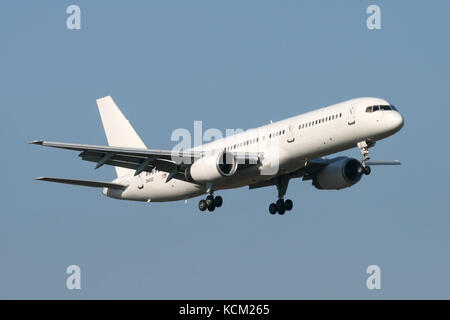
<point>118,129</point>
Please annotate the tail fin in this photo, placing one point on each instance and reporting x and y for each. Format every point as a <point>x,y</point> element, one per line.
<point>118,129</point>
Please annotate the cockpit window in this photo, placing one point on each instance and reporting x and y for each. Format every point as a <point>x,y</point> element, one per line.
<point>382,108</point>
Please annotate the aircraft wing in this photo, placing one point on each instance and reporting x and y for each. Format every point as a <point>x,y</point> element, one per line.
<point>141,159</point>
<point>312,167</point>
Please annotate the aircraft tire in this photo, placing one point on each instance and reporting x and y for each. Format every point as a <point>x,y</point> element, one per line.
<point>218,201</point>
<point>273,208</point>
<point>288,204</point>
<point>202,205</point>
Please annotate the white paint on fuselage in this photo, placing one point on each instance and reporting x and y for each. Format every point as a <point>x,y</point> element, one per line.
<point>343,131</point>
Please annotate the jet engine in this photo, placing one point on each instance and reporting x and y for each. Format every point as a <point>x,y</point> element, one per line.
<point>212,167</point>
<point>339,174</point>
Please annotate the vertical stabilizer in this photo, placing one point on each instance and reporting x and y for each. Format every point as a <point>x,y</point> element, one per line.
<point>118,129</point>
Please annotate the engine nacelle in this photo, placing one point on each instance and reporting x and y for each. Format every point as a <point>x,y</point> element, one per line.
<point>212,167</point>
<point>339,174</point>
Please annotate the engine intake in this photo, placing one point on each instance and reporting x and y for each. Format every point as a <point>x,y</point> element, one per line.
<point>339,174</point>
<point>212,167</point>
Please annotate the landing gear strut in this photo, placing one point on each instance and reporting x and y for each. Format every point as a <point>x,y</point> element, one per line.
<point>364,148</point>
<point>281,206</point>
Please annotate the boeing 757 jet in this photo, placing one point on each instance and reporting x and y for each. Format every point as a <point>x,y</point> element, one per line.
<point>270,155</point>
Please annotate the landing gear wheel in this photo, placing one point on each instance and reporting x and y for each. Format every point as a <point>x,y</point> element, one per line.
<point>281,208</point>
<point>367,170</point>
<point>273,208</point>
<point>288,204</point>
<point>209,201</point>
<point>211,207</point>
<point>218,201</point>
<point>202,205</point>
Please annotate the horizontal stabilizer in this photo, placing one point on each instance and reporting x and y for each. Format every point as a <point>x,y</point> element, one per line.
<point>383,163</point>
<point>85,183</point>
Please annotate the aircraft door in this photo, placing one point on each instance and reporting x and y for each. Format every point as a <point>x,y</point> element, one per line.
<point>351,115</point>
<point>139,181</point>
<point>290,134</point>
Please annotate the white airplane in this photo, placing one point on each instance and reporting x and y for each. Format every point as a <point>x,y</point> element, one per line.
<point>270,155</point>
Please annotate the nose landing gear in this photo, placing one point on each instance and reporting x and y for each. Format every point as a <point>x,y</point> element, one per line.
<point>364,148</point>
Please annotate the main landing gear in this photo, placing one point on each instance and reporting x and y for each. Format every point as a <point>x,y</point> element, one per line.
<point>281,206</point>
<point>364,148</point>
<point>210,203</point>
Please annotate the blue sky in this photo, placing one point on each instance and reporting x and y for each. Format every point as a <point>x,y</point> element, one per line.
<point>234,64</point>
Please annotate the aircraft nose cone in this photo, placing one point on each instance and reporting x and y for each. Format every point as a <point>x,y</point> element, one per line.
<point>397,121</point>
